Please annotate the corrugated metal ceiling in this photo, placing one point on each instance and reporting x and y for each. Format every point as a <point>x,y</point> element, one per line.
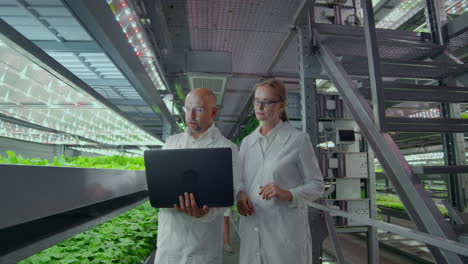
<point>251,30</point>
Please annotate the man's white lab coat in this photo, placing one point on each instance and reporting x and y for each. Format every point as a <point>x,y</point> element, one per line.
<point>184,239</point>
<point>278,231</point>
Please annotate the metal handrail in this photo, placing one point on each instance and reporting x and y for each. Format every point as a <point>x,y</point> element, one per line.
<point>432,240</point>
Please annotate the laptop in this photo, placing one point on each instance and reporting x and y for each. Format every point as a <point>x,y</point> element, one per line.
<point>205,172</point>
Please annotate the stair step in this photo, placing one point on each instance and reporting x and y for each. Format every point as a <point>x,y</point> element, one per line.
<point>426,124</point>
<point>350,40</point>
<point>420,93</point>
<point>334,29</point>
<point>398,68</point>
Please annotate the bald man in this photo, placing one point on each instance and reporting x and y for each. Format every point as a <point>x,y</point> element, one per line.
<point>192,233</point>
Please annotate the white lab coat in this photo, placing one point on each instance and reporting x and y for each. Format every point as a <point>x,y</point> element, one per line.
<point>184,239</point>
<point>278,231</point>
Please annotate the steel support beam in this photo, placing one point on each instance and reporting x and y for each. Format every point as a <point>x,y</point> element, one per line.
<point>427,124</point>
<point>303,11</point>
<point>372,236</point>
<point>373,60</point>
<point>307,84</point>
<point>243,75</point>
<point>445,169</point>
<point>454,149</point>
<point>435,14</point>
<point>97,18</point>
<point>419,204</point>
<point>309,121</point>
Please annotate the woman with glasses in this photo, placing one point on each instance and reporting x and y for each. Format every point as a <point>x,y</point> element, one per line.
<point>280,177</point>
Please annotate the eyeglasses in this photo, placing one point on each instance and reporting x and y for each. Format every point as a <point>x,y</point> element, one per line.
<point>197,109</point>
<point>265,103</point>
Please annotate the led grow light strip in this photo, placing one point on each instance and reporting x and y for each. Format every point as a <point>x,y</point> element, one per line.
<point>408,8</point>
<point>430,113</point>
<point>15,131</point>
<point>106,152</point>
<point>136,35</point>
<point>400,14</point>
<point>422,157</point>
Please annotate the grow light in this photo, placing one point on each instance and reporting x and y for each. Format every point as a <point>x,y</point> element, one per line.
<point>408,8</point>
<point>35,93</point>
<point>106,152</point>
<point>137,38</point>
<point>400,14</point>
<point>430,113</point>
<point>431,156</point>
<point>456,7</point>
<point>34,135</point>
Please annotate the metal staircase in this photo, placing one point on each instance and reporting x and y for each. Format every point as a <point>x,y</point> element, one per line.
<point>399,59</point>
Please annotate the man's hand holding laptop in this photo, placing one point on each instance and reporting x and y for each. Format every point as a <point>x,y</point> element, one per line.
<point>188,205</point>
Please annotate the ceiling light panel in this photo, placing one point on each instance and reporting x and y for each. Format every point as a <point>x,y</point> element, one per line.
<point>31,93</point>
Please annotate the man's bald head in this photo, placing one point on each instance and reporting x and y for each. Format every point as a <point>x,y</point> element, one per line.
<point>201,109</point>
<point>204,94</point>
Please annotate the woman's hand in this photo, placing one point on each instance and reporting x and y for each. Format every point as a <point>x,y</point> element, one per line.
<point>272,190</point>
<point>244,205</point>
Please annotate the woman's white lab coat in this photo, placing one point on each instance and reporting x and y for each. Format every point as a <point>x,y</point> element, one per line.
<point>278,231</point>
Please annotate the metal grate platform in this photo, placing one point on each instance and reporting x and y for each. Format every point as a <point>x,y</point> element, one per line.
<point>399,68</point>
<point>350,41</point>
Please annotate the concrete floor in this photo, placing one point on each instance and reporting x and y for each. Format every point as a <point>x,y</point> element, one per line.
<point>233,258</point>
<point>355,251</point>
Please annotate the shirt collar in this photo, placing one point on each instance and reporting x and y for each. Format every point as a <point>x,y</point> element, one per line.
<point>281,131</point>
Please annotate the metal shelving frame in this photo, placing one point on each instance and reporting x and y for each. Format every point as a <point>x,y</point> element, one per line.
<point>43,205</point>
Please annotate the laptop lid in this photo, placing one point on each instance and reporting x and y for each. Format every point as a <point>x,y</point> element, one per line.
<point>206,172</point>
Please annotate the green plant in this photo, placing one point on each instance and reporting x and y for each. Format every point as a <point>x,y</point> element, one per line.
<point>250,125</point>
<point>126,239</point>
<point>393,202</point>
<point>102,162</point>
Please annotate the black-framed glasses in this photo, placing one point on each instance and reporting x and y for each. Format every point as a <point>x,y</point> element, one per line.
<point>265,103</point>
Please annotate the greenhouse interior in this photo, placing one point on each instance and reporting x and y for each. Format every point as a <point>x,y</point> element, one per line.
<point>380,87</point>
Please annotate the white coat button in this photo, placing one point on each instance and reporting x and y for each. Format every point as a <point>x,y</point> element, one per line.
<point>256,229</point>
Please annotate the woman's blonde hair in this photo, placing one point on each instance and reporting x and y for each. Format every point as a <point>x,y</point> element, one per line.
<point>280,90</point>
